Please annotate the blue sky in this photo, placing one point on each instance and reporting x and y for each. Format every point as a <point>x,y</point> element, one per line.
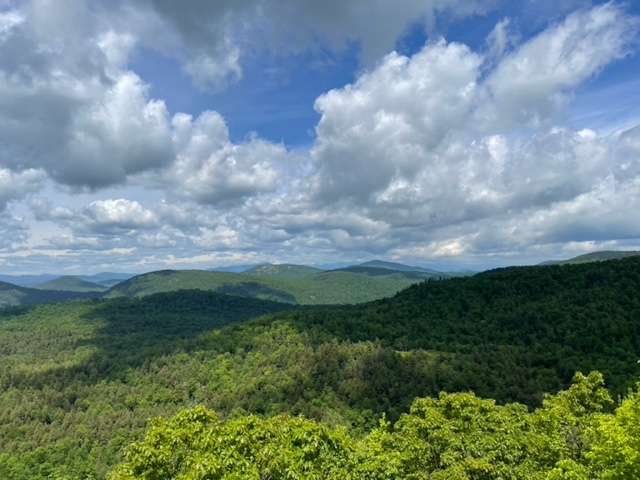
<point>459,134</point>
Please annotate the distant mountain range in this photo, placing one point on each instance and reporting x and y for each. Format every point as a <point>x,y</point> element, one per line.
<point>106,279</point>
<point>594,257</point>
<point>288,283</point>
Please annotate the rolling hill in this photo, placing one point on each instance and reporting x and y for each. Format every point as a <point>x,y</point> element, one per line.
<point>70,283</point>
<point>594,257</point>
<point>333,287</point>
<point>14,295</point>
<point>27,280</point>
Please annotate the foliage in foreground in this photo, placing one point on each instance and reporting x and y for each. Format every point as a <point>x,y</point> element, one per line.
<point>455,437</point>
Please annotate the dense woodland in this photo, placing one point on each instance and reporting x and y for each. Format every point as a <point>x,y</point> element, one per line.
<point>79,381</point>
<point>573,436</point>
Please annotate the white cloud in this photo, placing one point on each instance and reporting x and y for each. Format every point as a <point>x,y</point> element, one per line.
<point>122,134</point>
<point>219,238</point>
<point>118,214</point>
<point>389,124</point>
<point>406,143</point>
<point>211,169</point>
<point>68,108</point>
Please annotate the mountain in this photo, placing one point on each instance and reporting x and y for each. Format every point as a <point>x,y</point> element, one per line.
<point>81,379</point>
<point>283,270</point>
<point>334,287</point>
<point>15,295</point>
<point>594,257</point>
<point>70,283</point>
<point>398,267</point>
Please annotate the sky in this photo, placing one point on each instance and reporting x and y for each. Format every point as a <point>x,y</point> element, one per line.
<point>457,134</point>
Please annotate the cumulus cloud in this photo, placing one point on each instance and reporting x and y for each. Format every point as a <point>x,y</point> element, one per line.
<point>118,215</point>
<point>410,142</point>
<point>67,106</point>
<point>211,169</point>
<point>388,124</point>
<point>110,216</point>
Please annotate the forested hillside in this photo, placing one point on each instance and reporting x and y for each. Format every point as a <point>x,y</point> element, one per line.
<point>573,436</point>
<point>521,331</point>
<point>78,381</point>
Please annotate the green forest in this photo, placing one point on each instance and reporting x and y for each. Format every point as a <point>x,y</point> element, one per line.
<point>249,388</point>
